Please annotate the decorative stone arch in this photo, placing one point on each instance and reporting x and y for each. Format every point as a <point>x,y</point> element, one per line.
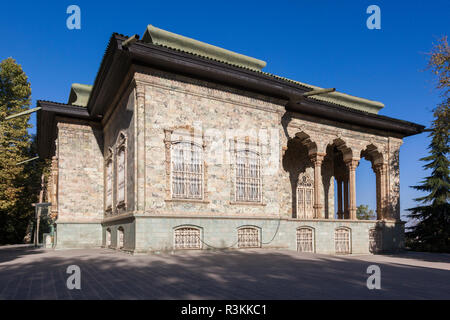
<point>346,180</point>
<point>187,237</point>
<point>343,240</point>
<point>375,154</point>
<point>120,237</point>
<point>344,147</point>
<point>307,140</point>
<point>316,153</point>
<point>305,236</point>
<point>249,236</point>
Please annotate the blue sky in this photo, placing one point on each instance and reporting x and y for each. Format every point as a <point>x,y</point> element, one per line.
<point>325,43</point>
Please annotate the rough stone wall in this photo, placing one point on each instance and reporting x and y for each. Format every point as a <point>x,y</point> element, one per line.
<point>217,115</point>
<point>175,103</point>
<point>80,171</point>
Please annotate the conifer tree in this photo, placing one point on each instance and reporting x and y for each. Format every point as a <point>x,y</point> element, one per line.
<point>432,229</point>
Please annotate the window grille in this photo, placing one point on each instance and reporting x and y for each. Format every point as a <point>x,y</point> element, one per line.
<point>248,238</point>
<point>375,238</point>
<point>121,175</point>
<point>248,186</point>
<point>109,177</point>
<point>305,240</point>
<point>342,240</point>
<point>120,236</point>
<point>187,171</point>
<point>187,238</point>
<point>305,197</point>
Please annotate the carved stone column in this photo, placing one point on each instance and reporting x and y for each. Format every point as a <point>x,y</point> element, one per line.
<point>317,159</point>
<point>351,165</point>
<point>340,212</point>
<point>139,137</point>
<point>380,173</point>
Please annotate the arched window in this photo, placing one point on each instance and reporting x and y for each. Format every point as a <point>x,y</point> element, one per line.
<point>375,240</point>
<point>187,170</point>
<point>109,180</point>
<point>248,182</point>
<point>248,237</point>
<point>121,167</point>
<point>108,237</point>
<point>305,239</point>
<point>120,236</point>
<point>305,197</point>
<point>342,240</point>
<point>187,238</point>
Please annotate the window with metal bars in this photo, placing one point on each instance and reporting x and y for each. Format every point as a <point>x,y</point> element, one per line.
<point>109,183</point>
<point>248,237</point>
<point>305,197</point>
<point>187,238</point>
<point>248,183</point>
<point>121,164</point>
<point>305,239</point>
<point>187,171</point>
<point>342,240</point>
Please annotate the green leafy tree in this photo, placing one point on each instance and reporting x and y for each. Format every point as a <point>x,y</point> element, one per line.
<point>363,213</point>
<point>431,229</point>
<point>17,185</point>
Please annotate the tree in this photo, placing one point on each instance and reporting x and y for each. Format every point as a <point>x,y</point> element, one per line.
<point>431,232</point>
<point>17,186</point>
<point>363,213</point>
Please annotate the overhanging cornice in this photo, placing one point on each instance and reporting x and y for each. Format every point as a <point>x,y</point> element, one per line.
<point>46,125</point>
<point>118,60</point>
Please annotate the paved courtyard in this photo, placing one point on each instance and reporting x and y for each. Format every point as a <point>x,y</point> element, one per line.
<point>28,273</point>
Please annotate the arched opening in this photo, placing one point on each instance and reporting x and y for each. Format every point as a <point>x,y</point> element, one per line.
<point>366,191</point>
<point>369,178</point>
<point>297,163</point>
<point>336,178</point>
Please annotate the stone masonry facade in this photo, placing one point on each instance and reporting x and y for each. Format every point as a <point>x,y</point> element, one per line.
<point>160,109</point>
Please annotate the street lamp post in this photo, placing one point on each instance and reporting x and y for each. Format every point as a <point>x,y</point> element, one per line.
<point>38,207</point>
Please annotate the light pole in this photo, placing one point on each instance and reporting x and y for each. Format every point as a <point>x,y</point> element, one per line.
<point>37,209</point>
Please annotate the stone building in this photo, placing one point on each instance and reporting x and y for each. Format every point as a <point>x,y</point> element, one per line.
<point>183,145</point>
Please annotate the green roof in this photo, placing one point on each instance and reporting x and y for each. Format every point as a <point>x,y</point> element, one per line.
<point>174,41</point>
<point>79,94</point>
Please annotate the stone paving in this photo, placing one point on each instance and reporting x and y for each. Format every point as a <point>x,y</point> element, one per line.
<point>29,273</point>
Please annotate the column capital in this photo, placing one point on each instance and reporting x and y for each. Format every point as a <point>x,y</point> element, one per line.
<point>317,158</point>
<point>379,167</point>
<point>352,163</point>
